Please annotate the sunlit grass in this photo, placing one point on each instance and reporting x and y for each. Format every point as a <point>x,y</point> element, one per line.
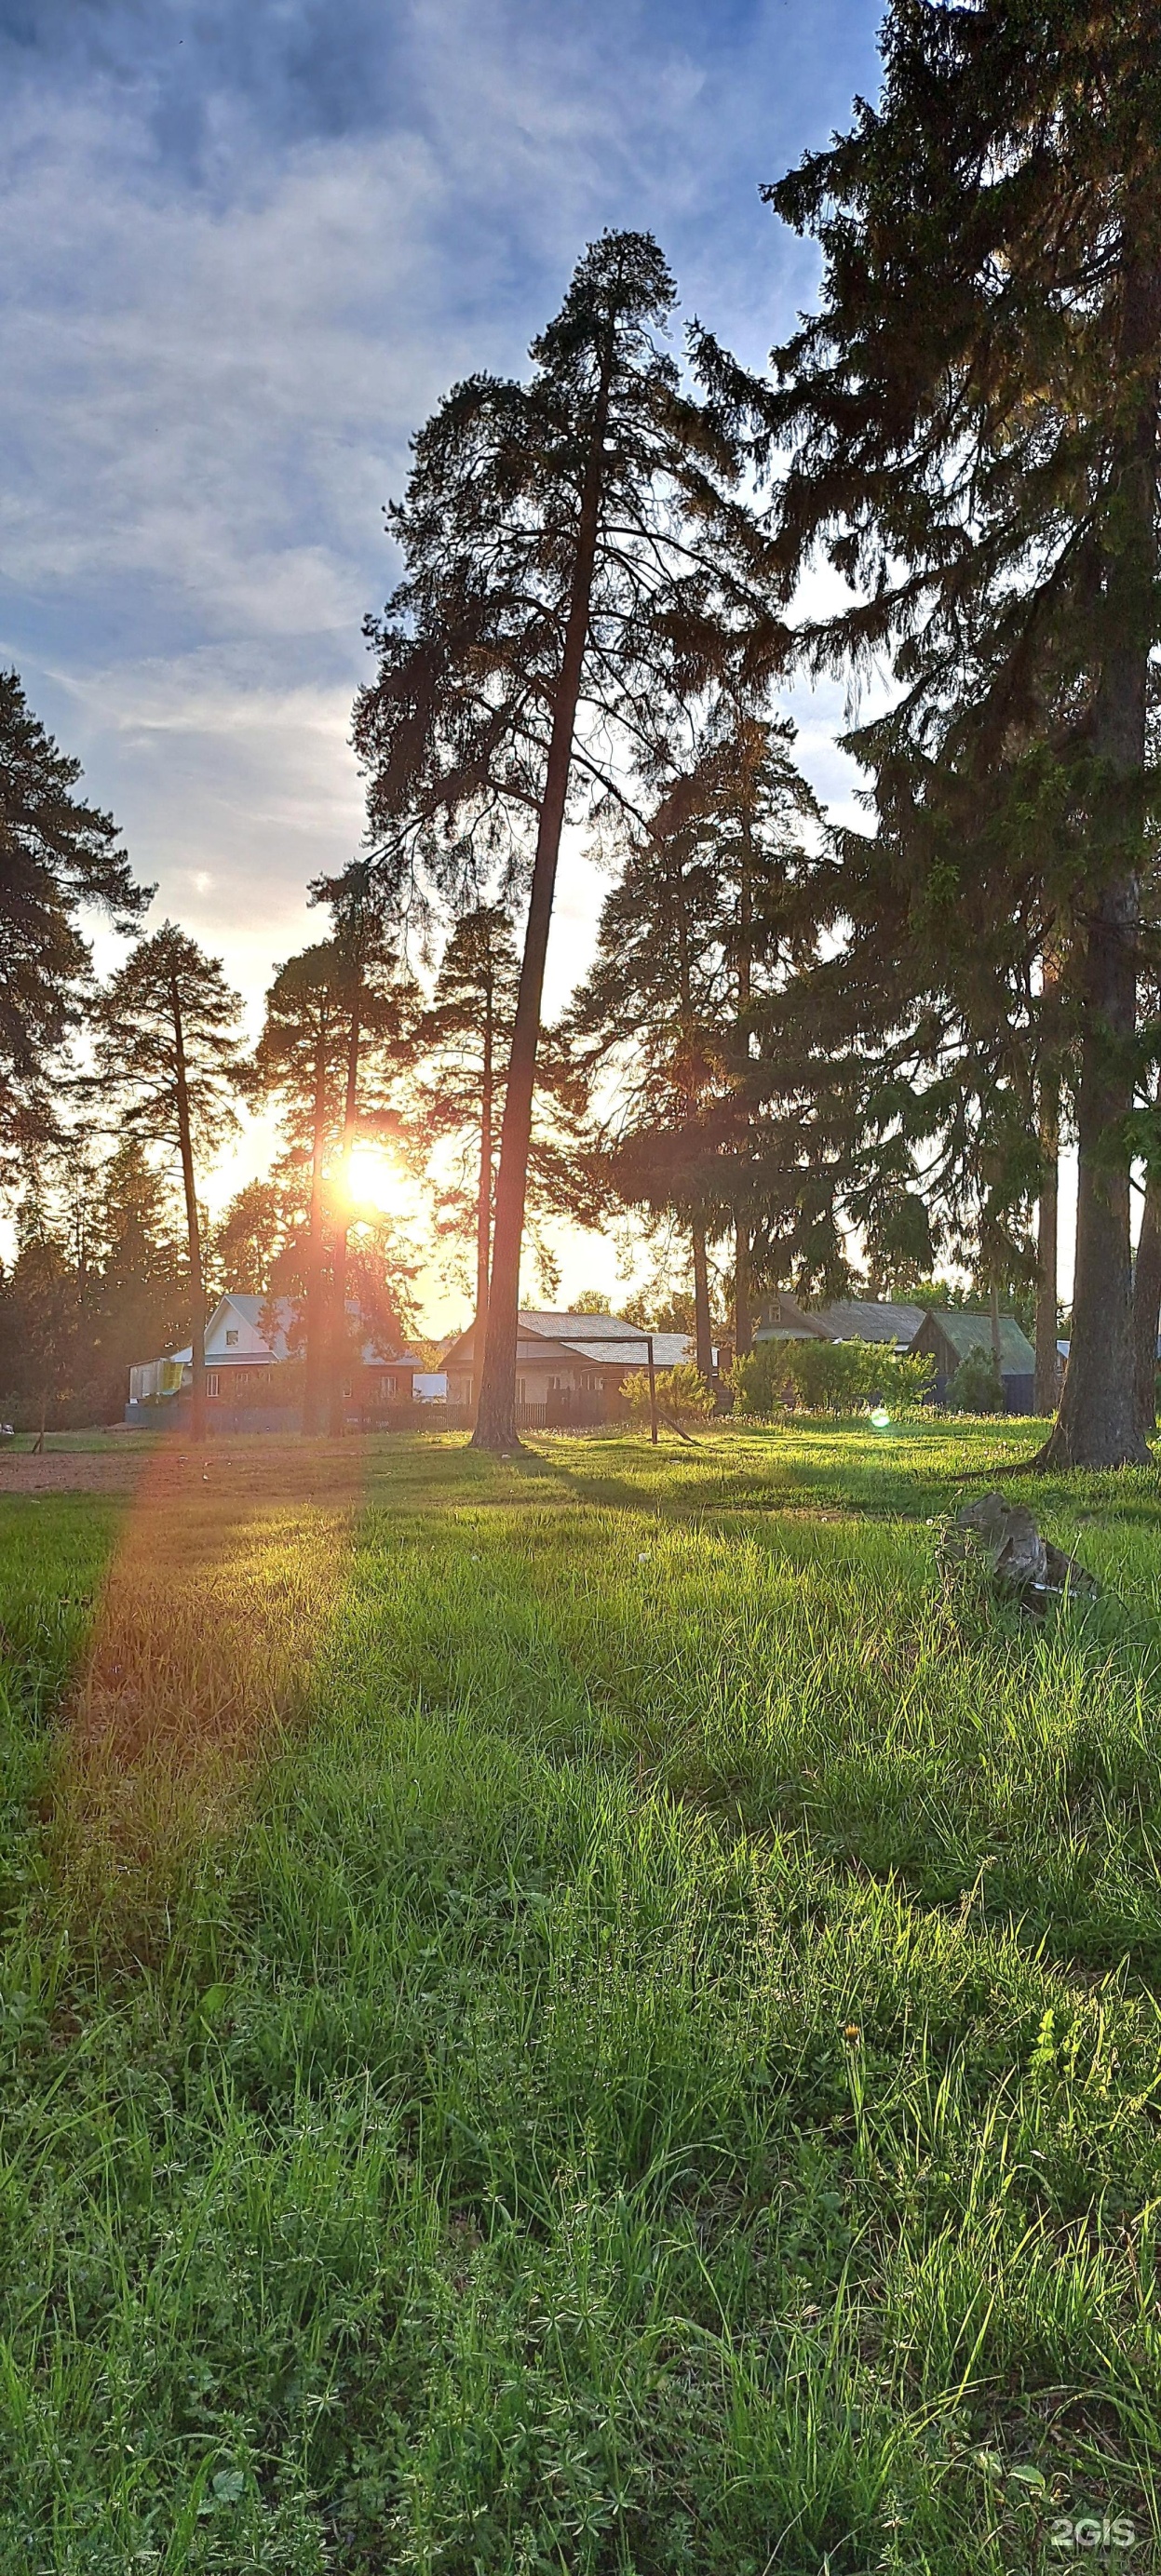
<point>648,2060</point>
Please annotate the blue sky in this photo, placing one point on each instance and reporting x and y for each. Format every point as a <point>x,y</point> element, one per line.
<point>244,247</point>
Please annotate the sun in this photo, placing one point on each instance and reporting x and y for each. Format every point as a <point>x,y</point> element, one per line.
<point>374,1180</point>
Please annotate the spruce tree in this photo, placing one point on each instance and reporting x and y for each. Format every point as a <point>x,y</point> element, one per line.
<point>58,856</point>
<point>566,541</point>
<point>971,424</point>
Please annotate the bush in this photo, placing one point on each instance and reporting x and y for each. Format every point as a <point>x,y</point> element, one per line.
<point>976,1386</point>
<point>828,1377</point>
<point>682,1393</point>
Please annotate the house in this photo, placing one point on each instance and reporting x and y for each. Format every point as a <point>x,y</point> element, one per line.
<point>251,1385</point>
<point>873,1319</point>
<point>569,1368</point>
<point>948,1336</point>
<point>782,1319</point>
<point>848,1319</point>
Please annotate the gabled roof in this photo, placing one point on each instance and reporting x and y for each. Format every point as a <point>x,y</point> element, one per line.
<point>588,1328</point>
<point>257,1314</point>
<point>266,1329</point>
<point>782,1319</point>
<point>871,1319</point>
<point>965,1333</point>
<point>600,1341</point>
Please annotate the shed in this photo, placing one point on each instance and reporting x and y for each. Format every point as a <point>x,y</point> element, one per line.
<point>873,1319</point>
<point>948,1335</point>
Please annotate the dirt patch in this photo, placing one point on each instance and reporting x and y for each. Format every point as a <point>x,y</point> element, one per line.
<point>233,1471</point>
<point>81,1471</point>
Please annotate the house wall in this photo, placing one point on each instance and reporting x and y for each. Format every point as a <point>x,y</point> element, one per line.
<point>1019,1391</point>
<point>562,1390</point>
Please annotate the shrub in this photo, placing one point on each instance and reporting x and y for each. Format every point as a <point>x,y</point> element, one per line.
<point>682,1393</point>
<point>829,1377</point>
<point>976,1386</point>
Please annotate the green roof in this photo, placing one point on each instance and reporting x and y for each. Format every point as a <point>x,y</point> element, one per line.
<point>974,1333</point>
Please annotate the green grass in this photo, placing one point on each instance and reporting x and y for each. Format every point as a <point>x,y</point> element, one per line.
<point>660,2070</point>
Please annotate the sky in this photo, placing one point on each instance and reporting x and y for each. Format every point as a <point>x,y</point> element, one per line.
<point>245,246</point>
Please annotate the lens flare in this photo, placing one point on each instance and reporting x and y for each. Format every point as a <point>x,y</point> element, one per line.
<point>374,1181</point>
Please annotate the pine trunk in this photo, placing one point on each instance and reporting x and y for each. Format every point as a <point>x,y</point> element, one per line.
<point>496,1409</point>
<point>1047,1251</point>
<point>1099,1422</point>
<point>193,1236</point>
<point>315,1302</point>
<point>703,1329</point>
<point>743,1328</point>
<point>1147,1305</point>
<point>743,1334</point>
<point>484,1198</point>
<point>338,1346</point>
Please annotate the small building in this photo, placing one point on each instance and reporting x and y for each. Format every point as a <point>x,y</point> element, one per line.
<point>948,1335</point>
<point>569,1368</point>
<point>252,1383</point>
<point>781,1319</point>
<point>873,1319</point>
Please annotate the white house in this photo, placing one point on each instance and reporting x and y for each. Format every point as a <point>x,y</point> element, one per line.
<point>248,1340</point>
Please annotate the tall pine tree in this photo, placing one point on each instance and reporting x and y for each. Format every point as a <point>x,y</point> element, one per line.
<point>168,1057</point>
<point>565,542</point>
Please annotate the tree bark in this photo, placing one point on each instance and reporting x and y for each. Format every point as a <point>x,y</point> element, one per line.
<point>315,1301</point>
<point>743,1333</point>
<point>1098,1424</point>
<point>1099,1421</point>
<point>1047,1250</point>
<point>703,1329</point>
<point>1147,1305</point>
<point>484,1198</point>
<point>743,1327</point>
<point>338,1340</point>
<point>193,1236</point>
<point>496,1409</point>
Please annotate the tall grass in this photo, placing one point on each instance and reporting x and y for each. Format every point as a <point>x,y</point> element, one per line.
<point>652,2066</point>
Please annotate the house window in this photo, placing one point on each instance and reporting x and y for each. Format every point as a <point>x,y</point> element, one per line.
<point>231,1341</point>
<point>211,1381</point>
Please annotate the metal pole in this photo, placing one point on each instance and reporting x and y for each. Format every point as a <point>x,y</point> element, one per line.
<point>652,1393</point>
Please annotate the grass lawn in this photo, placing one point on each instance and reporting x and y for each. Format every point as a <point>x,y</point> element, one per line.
<point>579,2015</point>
